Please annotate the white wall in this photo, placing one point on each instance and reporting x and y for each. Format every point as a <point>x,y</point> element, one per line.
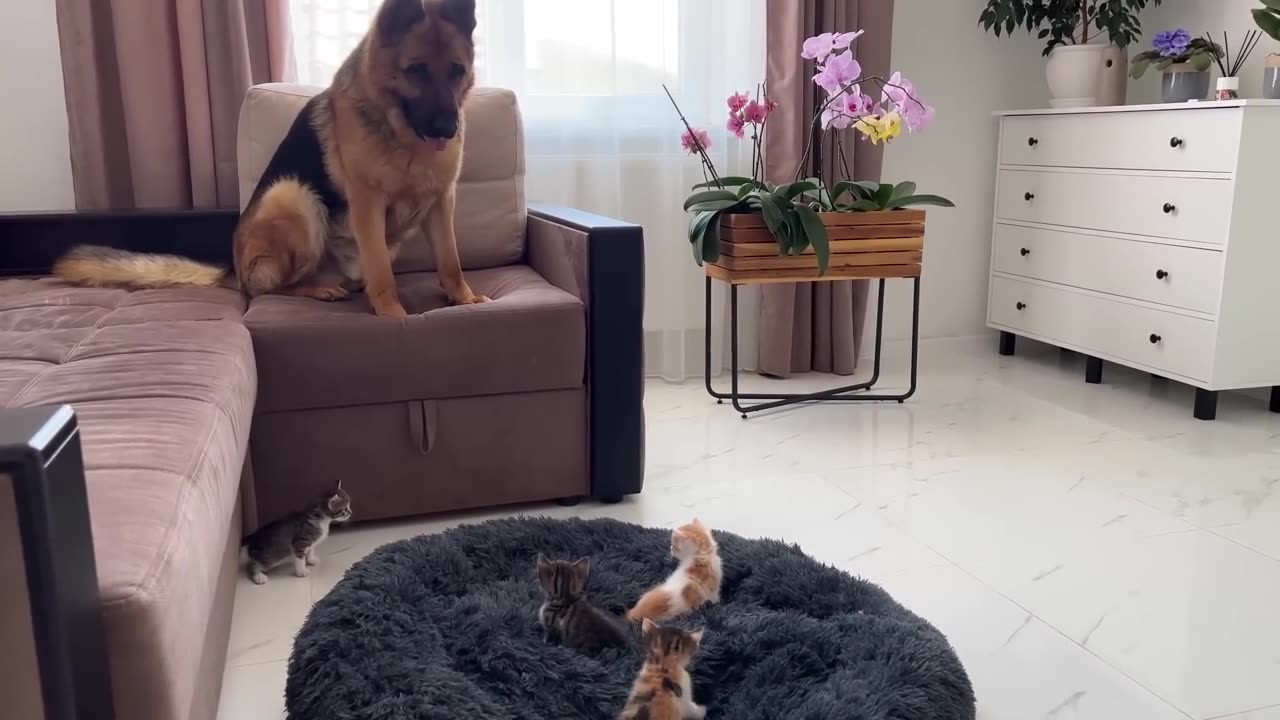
<point>966,74</point>
<point>35,173</point>
<point>1201,16</point>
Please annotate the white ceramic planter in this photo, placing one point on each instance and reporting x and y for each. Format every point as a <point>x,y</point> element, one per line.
<point>1114,85</point>
<point>1074,74</point>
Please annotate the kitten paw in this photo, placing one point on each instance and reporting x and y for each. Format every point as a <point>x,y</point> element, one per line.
<point>312,562</point>
<point>301,572</point>
<point>697,712</point>
<point>259,578</point>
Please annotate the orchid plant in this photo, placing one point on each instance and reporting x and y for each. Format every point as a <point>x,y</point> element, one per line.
<point>790,210</point>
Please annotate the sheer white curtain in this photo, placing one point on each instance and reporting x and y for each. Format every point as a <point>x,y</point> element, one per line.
<point>601,134</point>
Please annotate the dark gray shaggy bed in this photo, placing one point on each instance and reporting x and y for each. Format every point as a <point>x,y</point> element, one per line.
<point>444,627</point>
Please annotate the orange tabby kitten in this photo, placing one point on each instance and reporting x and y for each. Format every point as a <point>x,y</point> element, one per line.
<point>696,579</point>
<point>663,690</point>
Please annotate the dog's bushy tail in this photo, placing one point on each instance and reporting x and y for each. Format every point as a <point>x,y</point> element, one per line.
<point>95,266</point>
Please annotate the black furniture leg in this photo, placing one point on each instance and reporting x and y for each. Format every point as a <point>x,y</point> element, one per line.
<point>1008,343</point>
<point>1206,404</point>
<point>1093,370</point>
<point>848,393</point>
<point>42,478</point>
<point>1275,399</point>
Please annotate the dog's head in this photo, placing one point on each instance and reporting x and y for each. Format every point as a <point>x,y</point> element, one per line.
<point>420,58</point>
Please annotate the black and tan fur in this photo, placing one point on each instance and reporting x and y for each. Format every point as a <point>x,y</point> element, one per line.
<point>663,690</point>
<point>368,161</point>
<point>568,618</point>
<point>296,537</point>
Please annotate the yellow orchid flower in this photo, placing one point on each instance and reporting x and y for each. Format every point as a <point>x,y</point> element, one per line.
<point>879,128</point>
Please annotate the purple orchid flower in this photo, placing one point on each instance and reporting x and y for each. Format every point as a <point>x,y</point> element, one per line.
<point>819,47</point>
<point>840,70</point>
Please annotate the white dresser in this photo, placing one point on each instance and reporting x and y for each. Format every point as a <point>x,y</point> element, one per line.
<point>1147,236</point>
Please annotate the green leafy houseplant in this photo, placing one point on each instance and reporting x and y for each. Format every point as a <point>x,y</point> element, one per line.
<point>1067,22</point>
<point>1177,47</point>
<point>791,211</point>
<point>1268,18</point>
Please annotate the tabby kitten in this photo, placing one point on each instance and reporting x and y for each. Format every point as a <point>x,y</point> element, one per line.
<point>296,537</point>
<point>664,690</point>
<point>567,617</point>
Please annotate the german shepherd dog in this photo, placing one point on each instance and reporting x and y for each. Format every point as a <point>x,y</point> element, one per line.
<point>368,160</point>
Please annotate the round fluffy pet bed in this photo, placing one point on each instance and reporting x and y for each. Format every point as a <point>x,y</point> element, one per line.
<point>446,626</point>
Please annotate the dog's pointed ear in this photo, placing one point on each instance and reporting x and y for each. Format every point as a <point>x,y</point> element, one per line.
<point>460,13</point>
<point>396,17</point>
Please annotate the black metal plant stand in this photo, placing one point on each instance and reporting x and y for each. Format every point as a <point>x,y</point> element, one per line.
<point>859,392</point>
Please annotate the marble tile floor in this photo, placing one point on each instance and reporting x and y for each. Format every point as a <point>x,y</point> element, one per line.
<point>1091,551</point>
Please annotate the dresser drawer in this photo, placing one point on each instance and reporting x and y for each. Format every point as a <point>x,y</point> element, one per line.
<point>1182,345</point>
<point>1182,277</point>
<point>1193,209</point>
<point>1176,140</point>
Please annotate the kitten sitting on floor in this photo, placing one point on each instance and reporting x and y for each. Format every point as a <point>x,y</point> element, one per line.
<point>696,580</point>
<point>296,537</point>
<point>567,617</point>
<point>663,690</point>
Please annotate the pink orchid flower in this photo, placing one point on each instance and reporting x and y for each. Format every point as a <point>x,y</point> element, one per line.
<point>736,125</point>
<point>819,47</point>
<point>756,113</point>
<point>840,70</point>
<point>694,140</point>
<point>836,116</point>
<point>737,101</point>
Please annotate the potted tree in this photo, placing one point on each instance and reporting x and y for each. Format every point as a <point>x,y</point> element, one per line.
<point>1268,19</point>
<point>1081,71</point>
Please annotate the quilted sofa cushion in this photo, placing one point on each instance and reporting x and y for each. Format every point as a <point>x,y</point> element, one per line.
<point>164,384</point>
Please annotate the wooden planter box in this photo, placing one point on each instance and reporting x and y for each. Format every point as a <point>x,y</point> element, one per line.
<point>863,245</point>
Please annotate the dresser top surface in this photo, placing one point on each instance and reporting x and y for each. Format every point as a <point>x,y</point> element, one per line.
<point>1203,105</point>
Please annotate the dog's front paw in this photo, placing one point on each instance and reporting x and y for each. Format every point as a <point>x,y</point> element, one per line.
<point>468,298</point>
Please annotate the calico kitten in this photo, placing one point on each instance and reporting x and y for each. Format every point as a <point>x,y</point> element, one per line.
<point>567,617</point>
<point>696,580</point>
<point>296,537</point>
<point>663,690</point>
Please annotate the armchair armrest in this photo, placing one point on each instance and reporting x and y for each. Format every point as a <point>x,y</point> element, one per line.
<point>601,261</point>
<point>50,621</point>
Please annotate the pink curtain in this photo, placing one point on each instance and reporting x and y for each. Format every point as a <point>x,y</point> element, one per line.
<point>808,327</point>
<point>153,95</point>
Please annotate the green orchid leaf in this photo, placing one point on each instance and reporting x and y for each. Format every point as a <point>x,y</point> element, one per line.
<point>713,205</point>
<point>791,191</point>
<point>864,206</point>
<point>708,196</point>
<point>913,200</point>
<point>903,189</point>
<point>816,233</point>
<point>711,240</point>
<point>729,182</point>
<point>883,195</point>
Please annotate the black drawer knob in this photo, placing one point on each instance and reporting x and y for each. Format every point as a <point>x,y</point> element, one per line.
<point>1029,197</point>
<point>1021,306</point>
<point>1032,142</point>
<point>1024,252</point>
<point>1155,339</point>
<point>1169,208</point>
<point>1161,274</point>
<point>1175,142</point>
